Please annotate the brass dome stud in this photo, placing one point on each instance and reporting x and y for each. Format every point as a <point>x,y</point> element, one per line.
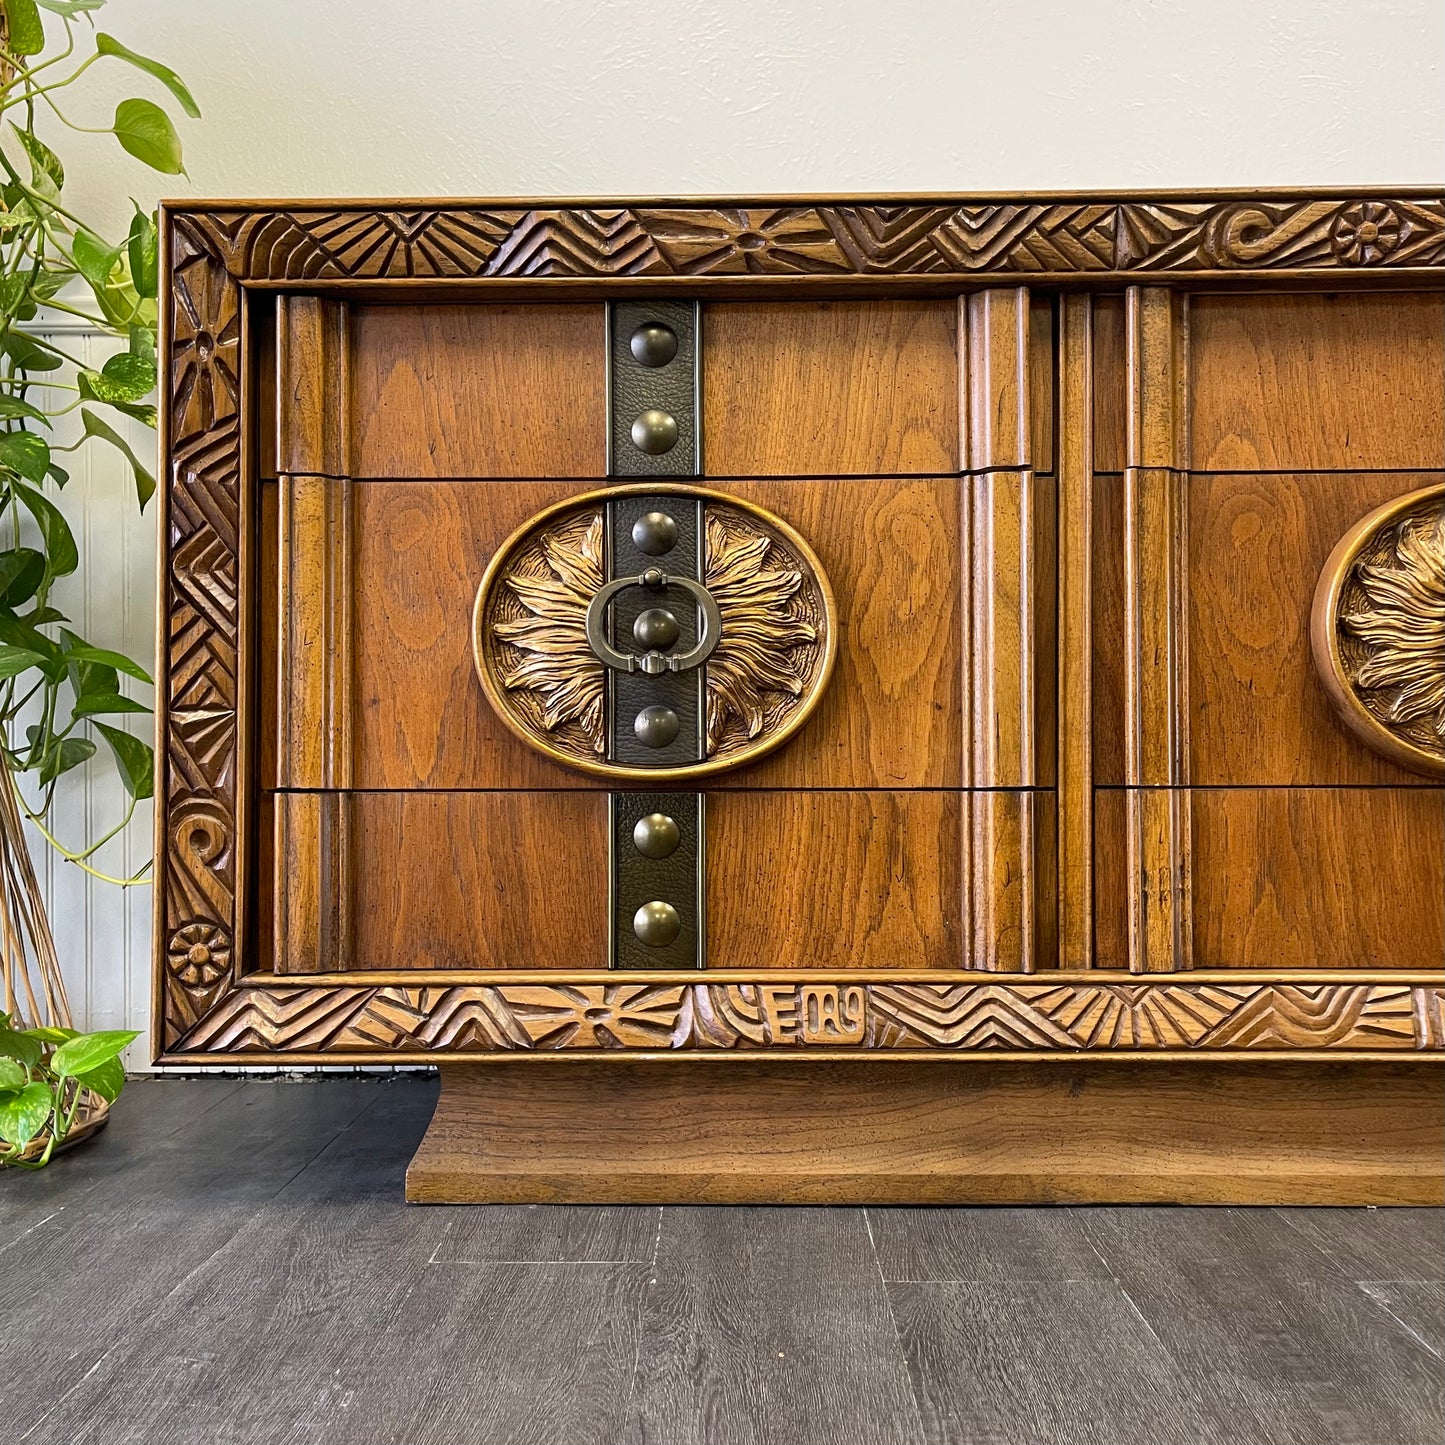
<point>656,924</point>
<point>656,836</point>
<point>653,344</point>
<point>654,432</point>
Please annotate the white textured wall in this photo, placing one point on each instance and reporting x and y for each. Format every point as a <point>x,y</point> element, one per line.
<point>102,932</point>
<point>508,97</point>
<point>519,97</point>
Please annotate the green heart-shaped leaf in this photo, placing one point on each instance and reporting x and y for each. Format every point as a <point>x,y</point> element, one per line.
<point>27,34</point>
<point>19,1046</point>
<point>106,1079</point>
<point>134,760</point>
<point>145,131</point>
<point>84,652</point>
<point>145,483</point>
<point>109,45</point>
<point>23,1113</point>
<point>15,660</point>
<point>26,453</point>
<point>89,1051</point>
<point>63,557</point>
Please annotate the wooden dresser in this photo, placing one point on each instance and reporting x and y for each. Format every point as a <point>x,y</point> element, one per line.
<point>927,699</point>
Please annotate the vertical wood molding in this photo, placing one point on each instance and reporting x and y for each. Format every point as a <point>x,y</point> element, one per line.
<point>1008,881</point>
<point>315,635</point>
<point>995,400</point>
<point>1000,683</point>
<point>1074,451</point>
<point>312,886</point>
<point>1156,651</point>
<point>315,741</point>
<point>1000,686</point>
<point>313,386</point>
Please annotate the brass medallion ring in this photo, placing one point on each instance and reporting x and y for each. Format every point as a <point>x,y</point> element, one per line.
<point>756,626</point>
<point>1377,630</point>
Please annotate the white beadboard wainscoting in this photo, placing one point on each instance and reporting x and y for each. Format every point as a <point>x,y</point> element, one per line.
<point>102,932</point>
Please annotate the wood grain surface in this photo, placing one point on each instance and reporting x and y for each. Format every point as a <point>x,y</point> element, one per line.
<point>314,612</point>
<point>421,548</point>
<point>1073,697</point>
<point>890,718</point>
<point>1304,382</point>
<point>1156,634</point>
<point>830,388</point>
<point>801,880</point>
<point>438,880</point>
<point>1111,383</point>
<point>753,1295</point>
<point>314,348</point>
<point>1258,716</point>
<point>1293,877</point>
<point>1257,542</point>
<point>839,1133</point>
<point>478,391</point>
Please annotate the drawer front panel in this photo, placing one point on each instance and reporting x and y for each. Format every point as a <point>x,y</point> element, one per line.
<point>508,880</point>
<point>415,714</point>
<point>1291,877</point>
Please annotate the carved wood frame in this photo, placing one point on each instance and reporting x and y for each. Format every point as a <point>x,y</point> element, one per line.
<point>215,255</point>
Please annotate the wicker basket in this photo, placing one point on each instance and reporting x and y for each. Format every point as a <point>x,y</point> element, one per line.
<point>91,1116</point>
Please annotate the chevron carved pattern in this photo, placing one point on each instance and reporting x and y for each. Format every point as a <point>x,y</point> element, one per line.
<point>202,529</point>
<point>959,238</point>
<point>472,1020</point>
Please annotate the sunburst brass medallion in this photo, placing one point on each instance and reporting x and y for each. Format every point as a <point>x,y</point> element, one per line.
<point>1378,630</point>
<point>773,657</point>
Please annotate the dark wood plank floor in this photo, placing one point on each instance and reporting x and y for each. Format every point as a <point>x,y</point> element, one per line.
<point>231,1263</point>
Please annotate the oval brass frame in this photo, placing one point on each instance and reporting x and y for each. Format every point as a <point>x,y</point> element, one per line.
<point>1325,637</point>
<point>619,772</point>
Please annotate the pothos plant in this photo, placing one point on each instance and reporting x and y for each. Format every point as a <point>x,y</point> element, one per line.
<point>61,697</point>
<point>46,1075</point>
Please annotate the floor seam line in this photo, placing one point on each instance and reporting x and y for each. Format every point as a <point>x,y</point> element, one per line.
<point>897,1333</point>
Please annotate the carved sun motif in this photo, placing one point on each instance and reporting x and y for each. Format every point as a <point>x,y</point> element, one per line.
<point>759,665</point>
<point>549,637</point>
<point>1396,611</point>
<point>769,654</point>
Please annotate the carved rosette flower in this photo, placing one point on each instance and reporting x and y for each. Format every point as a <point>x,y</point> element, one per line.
<point>545,654</point>
<point>769,641</point>
<point>205,366</point>
<point>1393,606</point>
<point>198,956</point>
<point>1365,232</point>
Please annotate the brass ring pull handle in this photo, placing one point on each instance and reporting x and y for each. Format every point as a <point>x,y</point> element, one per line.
<point>654,662</point>
<point>745,606</point>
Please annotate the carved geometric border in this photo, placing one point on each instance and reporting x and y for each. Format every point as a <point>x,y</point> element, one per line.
<point>198,685</point>
<point>213,251</point>
<point>1097,236</point>
<point>485,1020</point>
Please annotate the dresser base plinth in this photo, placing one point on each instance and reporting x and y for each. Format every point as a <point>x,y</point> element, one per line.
<point>961,1132</point>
